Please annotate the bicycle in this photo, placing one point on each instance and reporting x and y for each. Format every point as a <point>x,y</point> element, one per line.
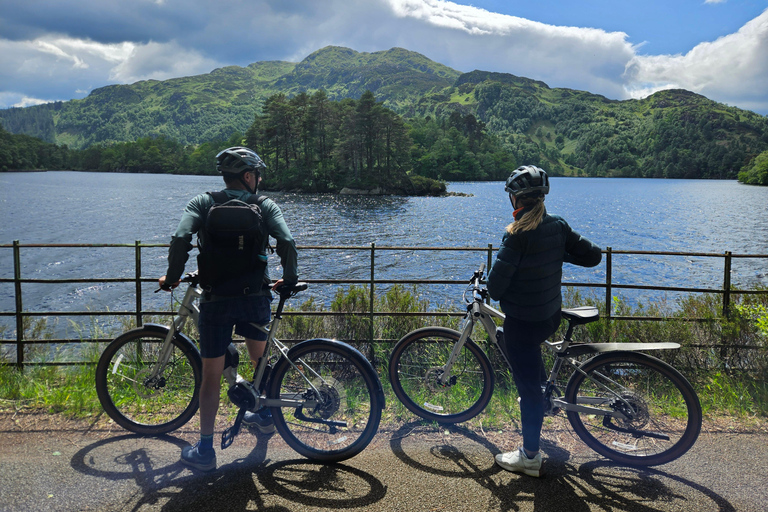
<point>628,406</point>
<point>148,382</point>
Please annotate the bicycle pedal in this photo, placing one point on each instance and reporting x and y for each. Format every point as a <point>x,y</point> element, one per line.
<point>228,436</point>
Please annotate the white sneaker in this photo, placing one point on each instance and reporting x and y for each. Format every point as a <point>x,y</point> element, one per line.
<point>518,462</point>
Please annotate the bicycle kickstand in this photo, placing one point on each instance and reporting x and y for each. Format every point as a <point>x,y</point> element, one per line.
<point>229,434</point>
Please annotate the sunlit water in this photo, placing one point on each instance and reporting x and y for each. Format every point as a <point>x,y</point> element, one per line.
<point>624,214</point>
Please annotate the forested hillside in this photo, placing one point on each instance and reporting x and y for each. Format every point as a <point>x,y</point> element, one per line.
<point>315,144</point>
<point>672,134</point>
<point>310,144</point>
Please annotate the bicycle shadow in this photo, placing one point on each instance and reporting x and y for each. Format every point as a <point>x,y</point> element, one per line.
<point>131,461</point>
<point>567,484</point>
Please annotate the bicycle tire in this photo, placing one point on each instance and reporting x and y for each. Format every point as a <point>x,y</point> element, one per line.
<point>660,400</point>
<point>414,368</point>
<point>350,393</point>
<point>142,409</point>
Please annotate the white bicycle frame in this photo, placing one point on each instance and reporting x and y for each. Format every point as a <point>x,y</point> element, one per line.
<point>189,309</point>
<point>479,311</point>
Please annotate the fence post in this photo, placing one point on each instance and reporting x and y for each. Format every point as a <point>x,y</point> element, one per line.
<point>139,320</point>
<point>488,267</point>
<point>19,306</point>
<point>608,281</point>
<point>727,285</point>
<point>372,352</point>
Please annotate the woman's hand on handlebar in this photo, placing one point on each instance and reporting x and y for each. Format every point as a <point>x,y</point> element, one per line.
<point>167,286</point>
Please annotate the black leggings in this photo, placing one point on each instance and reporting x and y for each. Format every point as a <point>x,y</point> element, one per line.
<point>523,345</point>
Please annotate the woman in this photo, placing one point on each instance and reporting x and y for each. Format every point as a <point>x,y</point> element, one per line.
<point>525,279</point>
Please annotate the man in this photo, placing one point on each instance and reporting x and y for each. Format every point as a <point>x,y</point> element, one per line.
<point>221,311</point>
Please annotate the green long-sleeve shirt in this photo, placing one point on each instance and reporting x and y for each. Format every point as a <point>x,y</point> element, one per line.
<point>194,217</point>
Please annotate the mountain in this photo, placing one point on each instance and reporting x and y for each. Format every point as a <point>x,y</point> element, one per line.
<point>673,133</point>
<point>205,107</point>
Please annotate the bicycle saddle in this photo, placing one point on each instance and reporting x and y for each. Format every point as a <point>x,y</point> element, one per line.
<point>581,315</point>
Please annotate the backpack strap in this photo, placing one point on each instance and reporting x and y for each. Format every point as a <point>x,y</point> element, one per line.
<point>220,197</point>
<point>256,199</point>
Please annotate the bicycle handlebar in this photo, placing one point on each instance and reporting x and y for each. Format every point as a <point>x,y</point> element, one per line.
<point>285,289</point>
<point>475,285</point>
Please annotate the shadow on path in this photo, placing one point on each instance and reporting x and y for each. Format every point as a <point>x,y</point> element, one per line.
<point>238,485</point>
<point>454,453</point>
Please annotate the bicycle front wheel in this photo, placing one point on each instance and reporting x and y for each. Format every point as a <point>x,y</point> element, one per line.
<point>661,409</point>
<point>342,396</point>
<point>136,402</point>
<point>417,365</point>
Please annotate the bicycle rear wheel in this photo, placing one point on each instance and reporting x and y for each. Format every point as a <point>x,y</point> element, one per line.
<point>416,366</point>
<point>346,389</point>
<point>662,409</point>
<point>128,396</point>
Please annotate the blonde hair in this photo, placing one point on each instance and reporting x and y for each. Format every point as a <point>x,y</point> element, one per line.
<point>531,219</point>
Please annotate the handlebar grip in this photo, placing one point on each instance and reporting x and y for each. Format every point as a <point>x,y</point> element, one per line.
<point>482,268</point>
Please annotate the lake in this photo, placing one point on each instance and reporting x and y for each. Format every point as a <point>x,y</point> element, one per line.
<point>624,214</point>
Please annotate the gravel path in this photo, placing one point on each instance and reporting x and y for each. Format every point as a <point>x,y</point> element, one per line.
<point>48,464</point>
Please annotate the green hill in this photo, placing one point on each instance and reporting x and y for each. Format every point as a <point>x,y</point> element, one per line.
<point>675,134</point>
<point>201,108</point>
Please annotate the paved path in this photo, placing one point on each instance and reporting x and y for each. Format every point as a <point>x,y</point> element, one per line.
<point>46,466</point>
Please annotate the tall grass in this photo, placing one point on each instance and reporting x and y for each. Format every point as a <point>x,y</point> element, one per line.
<point>725,360</point>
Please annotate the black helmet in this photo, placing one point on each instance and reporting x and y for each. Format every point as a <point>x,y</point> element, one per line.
<point>527,180</point>
<point>238,160</point>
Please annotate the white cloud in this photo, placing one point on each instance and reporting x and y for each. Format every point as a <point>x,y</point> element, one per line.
<point>468,38</point>
<point>160,61</point>
<point>60,67</point>
<point>70,49</point>
<point>17,100</point>
<point>733,69</point>
<point>26,101</point>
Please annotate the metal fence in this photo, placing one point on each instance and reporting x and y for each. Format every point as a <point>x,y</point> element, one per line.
<point>726,291</point>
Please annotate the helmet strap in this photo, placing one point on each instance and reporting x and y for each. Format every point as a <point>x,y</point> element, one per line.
<point>245,184</point>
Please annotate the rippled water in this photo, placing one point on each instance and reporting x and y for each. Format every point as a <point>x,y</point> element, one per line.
<point>625,214</point>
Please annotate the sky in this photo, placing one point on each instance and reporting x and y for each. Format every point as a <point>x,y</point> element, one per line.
<point>63,49</point>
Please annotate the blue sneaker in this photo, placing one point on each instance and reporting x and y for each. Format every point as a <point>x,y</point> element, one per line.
<point>191,456</point>
<point>261,419</point>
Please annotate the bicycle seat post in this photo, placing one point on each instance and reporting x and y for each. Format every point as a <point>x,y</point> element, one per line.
<point>569,332</point>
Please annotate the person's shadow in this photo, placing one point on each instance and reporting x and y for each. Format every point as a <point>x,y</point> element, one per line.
<point>233,486</point>
<point>566,484</point>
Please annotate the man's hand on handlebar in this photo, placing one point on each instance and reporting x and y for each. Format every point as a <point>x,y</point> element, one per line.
<point>288,289</point>
<point>167,286</point>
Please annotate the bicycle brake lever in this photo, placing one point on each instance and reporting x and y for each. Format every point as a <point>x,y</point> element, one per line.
<point>229,434</point>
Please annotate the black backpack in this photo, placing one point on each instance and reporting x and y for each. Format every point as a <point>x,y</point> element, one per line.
<point>233,243</point>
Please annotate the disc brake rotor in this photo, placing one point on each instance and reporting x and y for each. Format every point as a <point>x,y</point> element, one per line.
<point>332,399</point>
<point>141,387</point>
<point>432,379</point>
<point>636,410</point>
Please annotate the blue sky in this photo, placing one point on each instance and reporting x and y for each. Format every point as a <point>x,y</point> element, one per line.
<point>666,27</point>
<point>63,49</point>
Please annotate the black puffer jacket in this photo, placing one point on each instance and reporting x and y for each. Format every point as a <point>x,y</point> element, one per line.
<point>526,277</point>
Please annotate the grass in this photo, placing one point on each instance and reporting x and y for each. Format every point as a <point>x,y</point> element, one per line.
<point>729,378</point>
